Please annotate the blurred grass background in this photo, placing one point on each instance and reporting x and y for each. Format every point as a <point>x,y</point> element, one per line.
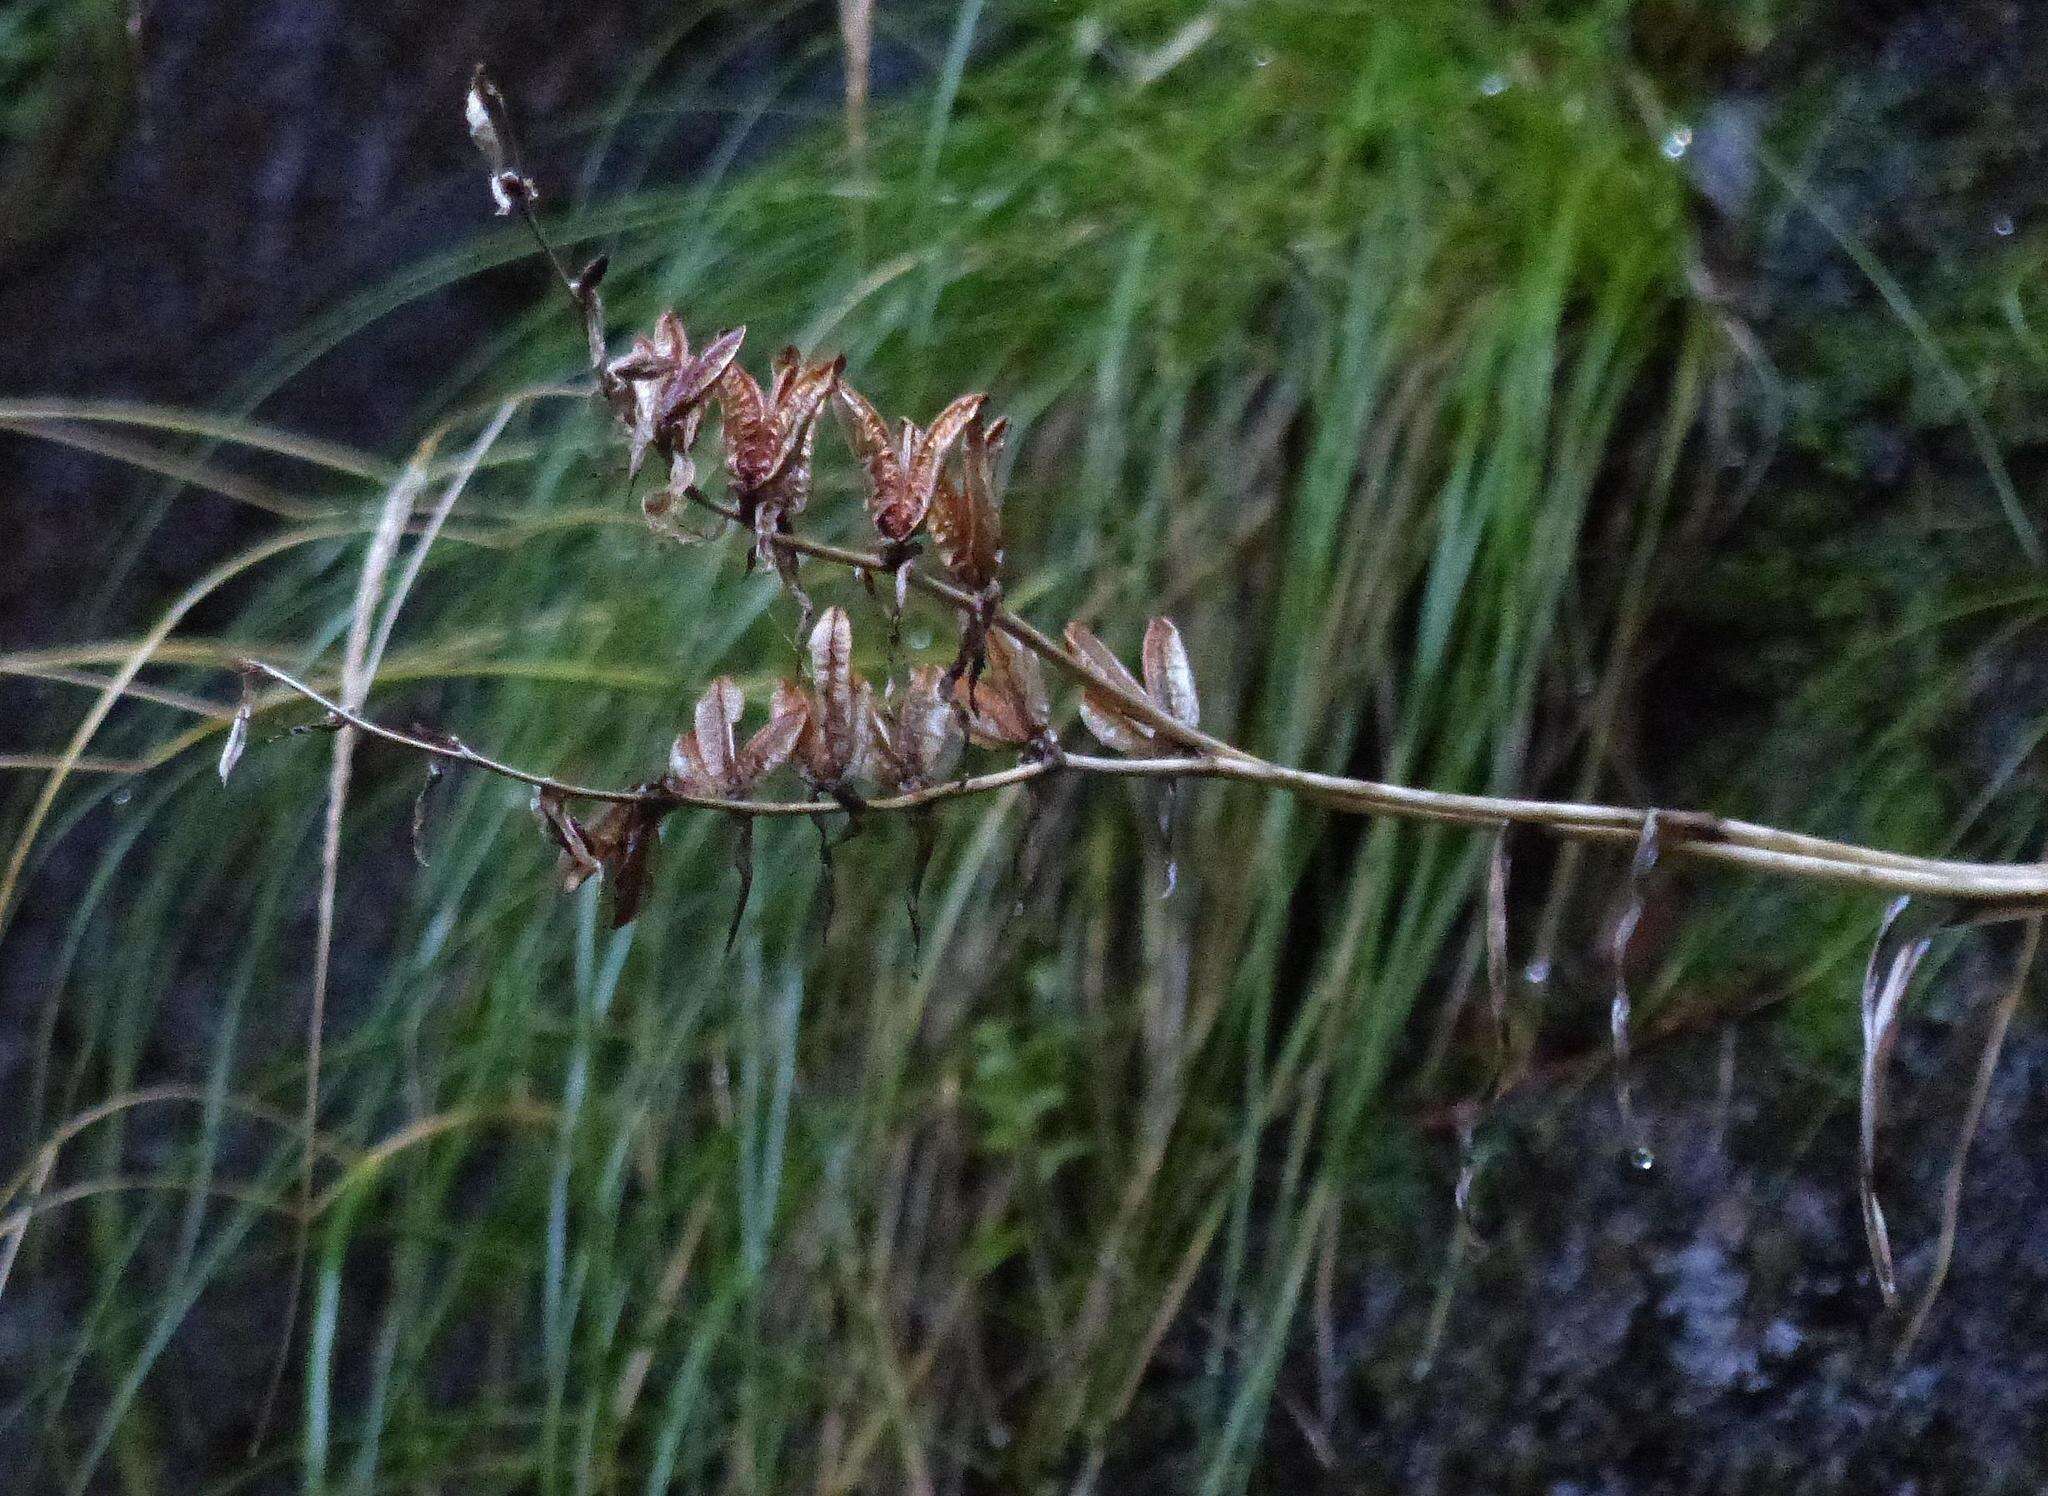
<point>1379,345</point>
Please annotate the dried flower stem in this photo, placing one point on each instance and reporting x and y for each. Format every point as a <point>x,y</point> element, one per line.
<point>1692,834</point>
<point>1766,849</point>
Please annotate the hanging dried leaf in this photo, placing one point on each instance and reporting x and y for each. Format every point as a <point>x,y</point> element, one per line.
<point>1897,952</point>
<point>1169,678</point>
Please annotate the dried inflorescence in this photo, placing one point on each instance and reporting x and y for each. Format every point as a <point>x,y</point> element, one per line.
<point>841,738</point>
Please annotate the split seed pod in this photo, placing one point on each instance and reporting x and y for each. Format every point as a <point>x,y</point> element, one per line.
<point>1169,682</point>
<point>769,436</point>
<point>833,747</point>
<point>709,764</point>
<point>966,517</point>
<point>660,391</point>
<point>490,126</point>
<point>1009,706</point>
<point>903,467</point>
<point>915,735</point>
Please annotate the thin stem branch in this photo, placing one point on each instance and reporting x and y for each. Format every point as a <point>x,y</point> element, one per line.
<point>454,751</point>
<point>1693,834</point>
<point>2009,889</point>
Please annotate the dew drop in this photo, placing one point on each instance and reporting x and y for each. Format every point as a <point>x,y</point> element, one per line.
<point>1493,85</point>
<point>1536,973</point>
<point>1678,142</point>
<point>1262,59</point>
<point>122,795</point>
<point>2002,225</point>
<point>1641,1159</point>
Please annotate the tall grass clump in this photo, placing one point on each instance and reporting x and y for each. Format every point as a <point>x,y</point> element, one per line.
<point>1358,338</point>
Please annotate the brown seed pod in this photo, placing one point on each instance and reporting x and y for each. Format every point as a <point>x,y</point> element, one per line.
<point>833,747</point>
<point>1169,681</point>
<point>707,762</point>
<point>1009,706</point>
<point>914,734</point>
<point>903,467</point>
<point>966,517</point>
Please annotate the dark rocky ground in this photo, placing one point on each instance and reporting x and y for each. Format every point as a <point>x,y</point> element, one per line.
<point>1713,1326</point>
<point>1709,1327</point>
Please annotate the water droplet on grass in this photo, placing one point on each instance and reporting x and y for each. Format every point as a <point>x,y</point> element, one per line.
<point>1493,85</point>
<point>1678,142</point>
<point>1641,1159</point>
<point>2002,225</point>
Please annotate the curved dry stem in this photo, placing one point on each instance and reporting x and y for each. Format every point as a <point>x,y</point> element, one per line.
<point>1966,1134</point>
<point>1693,834</point>
<point>2010,890</point>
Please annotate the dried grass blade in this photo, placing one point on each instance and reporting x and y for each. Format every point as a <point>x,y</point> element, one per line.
<point>1966,1133</point>
<point>1894,957</point>
<point>1497,871</point>
<point>358,669</point>
<point>1620,1011</point>
<point>857,34</point>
